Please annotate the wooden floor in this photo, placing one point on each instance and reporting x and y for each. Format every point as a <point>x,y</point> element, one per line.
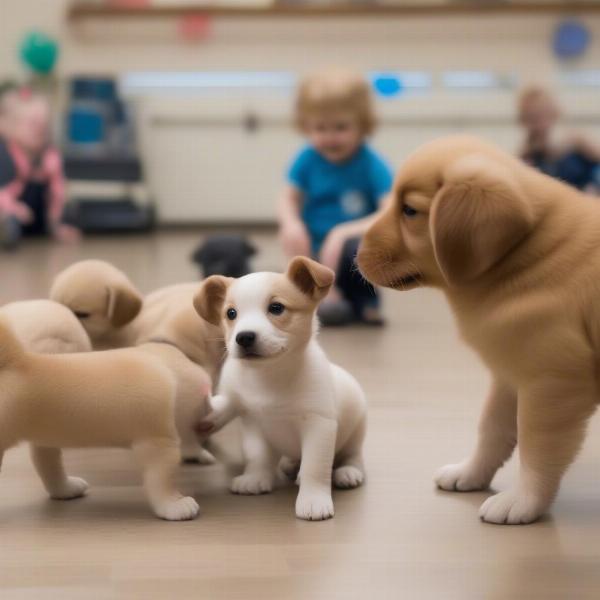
<point>395,538</point>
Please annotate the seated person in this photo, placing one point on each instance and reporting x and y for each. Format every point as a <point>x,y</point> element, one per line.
<point>335,184</point>
<point>32,190</point>
<point>569,156</point>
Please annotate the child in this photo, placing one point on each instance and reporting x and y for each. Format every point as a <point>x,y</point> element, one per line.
<point>32,190</point>
<point>335,184</point>
<point>570,156</point>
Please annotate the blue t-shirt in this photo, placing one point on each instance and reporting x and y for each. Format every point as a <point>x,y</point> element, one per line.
<point>337,192</point>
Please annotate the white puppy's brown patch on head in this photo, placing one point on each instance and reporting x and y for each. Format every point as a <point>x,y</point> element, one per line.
<point>310,277</point>
<point>265,315</point>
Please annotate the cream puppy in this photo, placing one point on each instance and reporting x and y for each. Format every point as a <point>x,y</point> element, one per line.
<point>46,327</point>
<point>293,402</point>
<point>115,315</point>
<point>118,398</point>
<point>102,298</point>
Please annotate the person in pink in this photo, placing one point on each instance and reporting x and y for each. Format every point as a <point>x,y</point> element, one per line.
<point>32,184</point>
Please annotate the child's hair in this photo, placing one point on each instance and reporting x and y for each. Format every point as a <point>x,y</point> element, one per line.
<point>533,95</point>
<point>332,90</point>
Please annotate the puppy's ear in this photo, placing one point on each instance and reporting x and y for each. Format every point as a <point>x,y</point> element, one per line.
<point>477,217</point>
<point>209,299</point>
<point>310,277</point>
<point>124,303</point>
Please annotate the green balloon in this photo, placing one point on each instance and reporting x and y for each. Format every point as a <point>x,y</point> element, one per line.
<point>39,52</point>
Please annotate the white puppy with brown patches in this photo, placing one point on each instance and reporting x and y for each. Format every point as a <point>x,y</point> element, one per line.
<point>292,401</point>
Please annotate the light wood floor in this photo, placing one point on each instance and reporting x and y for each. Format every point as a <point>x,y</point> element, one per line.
<point>395,538</point>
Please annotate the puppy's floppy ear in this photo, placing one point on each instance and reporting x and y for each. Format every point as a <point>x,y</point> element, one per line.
<point>310,277</point>
<point>209,299</point>
<point>124,303</point>
<point>477,217</point>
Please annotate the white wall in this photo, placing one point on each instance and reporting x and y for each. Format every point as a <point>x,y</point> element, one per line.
<point>202,170</point>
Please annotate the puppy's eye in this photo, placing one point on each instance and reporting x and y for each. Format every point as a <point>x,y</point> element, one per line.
<point>231,314</point>
<point>409,211</point>
<point>276,308</point>
<point>82,315</point>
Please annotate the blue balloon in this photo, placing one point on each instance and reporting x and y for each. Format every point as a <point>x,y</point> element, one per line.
<point>571,39</point>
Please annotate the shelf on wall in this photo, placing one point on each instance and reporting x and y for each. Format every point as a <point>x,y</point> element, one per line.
<point>80,10</point>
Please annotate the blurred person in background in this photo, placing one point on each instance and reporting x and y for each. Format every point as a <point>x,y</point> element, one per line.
<point>335,184</point>
<point>567,155</point>
<point>32,184</point>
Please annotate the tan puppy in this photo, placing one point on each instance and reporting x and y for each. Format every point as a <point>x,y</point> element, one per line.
<point>102,298</point>
<point>117,398</point>
<point>46,327</point>
<point>115,316</point>
<point>517,255</point>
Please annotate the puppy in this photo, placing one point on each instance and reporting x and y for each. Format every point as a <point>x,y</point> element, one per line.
<point>115,315</point>
<point>224,255</point>
<point>116,398</point>
<point>292,401</point>
<point>46,327</point>
<point>516,254</point>
<point>102,298</point>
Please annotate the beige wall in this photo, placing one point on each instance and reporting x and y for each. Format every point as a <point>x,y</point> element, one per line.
<point>207,172</point>
<point>513,42</point>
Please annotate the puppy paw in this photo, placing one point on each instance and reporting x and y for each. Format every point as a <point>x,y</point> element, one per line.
<point>182,509</point>
<point>314,506</point>
<point>511,508</point>
<point>461,477</point>
<point>73,487</point>
<point>347,477</point>
<point>252,484</point>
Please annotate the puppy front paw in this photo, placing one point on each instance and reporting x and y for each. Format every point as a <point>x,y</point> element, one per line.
<point>181,509</point>
<point>73,487</point>
<point>461,477</point>
<point>314,506</point>
<point>347,477</point>
<point>252,484</point>
<point>512,508</point>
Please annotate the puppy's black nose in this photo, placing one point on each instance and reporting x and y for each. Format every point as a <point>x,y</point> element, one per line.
<point>245,339</point>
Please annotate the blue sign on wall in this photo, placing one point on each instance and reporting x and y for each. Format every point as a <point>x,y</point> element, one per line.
<point>387,85</point>
<point>571,39</point>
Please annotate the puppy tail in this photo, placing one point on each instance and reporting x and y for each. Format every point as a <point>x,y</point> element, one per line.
<point>11,350</point>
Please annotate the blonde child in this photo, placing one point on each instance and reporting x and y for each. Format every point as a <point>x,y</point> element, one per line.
<point>335,184</point>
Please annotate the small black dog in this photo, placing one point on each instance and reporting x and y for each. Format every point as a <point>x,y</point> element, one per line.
<point>225,254</point>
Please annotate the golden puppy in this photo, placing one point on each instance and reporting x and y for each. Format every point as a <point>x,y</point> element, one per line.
<point>517,256</point>
<point>46,327</point>
<point>115,315</point>
<point>116,398</point>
